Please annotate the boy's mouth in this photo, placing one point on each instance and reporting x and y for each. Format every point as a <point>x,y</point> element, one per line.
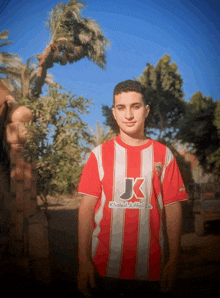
<point>129,123</point>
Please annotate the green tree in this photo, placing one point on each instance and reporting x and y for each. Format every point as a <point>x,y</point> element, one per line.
<point>198,129</point>
<point>214,159</point>
<point>58,139</point>
<point>21,77</point>
<point>164,94</point>
<point>184,166</point>
<point>109,118</point>
<point>99,136</point>
<point>18,77</point>
<point>6,59</point>
<point>73,37</point>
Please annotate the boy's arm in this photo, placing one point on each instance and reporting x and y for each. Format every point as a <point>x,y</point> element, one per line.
<point>86,275</point>
<point>173,214</point>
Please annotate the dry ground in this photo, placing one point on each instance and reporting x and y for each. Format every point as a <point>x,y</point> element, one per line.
<point>200,256</point>
<point>199,264</point>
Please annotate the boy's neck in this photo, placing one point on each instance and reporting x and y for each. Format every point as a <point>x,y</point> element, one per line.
<point>133,141</point>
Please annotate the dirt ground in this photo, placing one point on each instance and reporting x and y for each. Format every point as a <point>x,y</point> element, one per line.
<point>199,274</point>
<point>200,256</point>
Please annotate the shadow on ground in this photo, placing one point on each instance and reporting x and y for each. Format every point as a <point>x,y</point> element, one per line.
<point>63,234</point>
<point>188,217</point>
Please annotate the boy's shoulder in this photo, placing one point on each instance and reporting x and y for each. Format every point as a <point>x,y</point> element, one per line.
<point>160,145</point>
<point>107,143</point>
<point>162,150</point>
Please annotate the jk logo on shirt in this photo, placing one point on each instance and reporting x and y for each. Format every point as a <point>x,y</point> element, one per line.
<point>132,187</point>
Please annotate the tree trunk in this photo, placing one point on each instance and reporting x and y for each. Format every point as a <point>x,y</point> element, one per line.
<point>161,126</point>
<point>25,83</point>
<point>43,65</point>
<point>47,59</point>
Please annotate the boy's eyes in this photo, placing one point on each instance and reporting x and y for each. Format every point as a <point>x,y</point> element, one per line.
<point>134,107</point>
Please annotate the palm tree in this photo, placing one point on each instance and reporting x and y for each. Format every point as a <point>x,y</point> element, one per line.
<point>19,78</point>
<point>73,38</point>
<point>99,136</point>
<point>6,59</point>
<point>22,76</point>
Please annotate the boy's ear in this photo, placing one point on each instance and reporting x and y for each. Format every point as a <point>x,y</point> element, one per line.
<point>113,112</point>
<point>147,111</point>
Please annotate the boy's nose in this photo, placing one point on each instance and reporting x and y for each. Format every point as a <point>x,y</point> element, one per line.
<point>129,114</point>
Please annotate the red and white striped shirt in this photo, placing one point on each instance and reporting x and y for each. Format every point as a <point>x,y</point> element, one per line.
<point>133,184</point>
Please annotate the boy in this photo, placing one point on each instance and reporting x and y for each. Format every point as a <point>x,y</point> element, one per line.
<point>127,184</point>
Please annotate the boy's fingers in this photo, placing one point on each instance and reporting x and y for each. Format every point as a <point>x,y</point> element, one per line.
<point>164,283</point>
<point>86,292</point>
<point>92,281</point>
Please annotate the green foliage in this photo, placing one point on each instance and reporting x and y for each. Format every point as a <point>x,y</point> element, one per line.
<point>74,37</point>
<point>4,35</point>
<point>57,139</point>
<point>198,102</point>
<point>99,136</point>
<point>197,128</point>
<point>109,119</point>
<point>214,159</point>
<point>184,166</point>
<point>7,61</point>
<point>164,94</point>
<point>66,21</point>
<point>19,77</point>
<point>217,117</point>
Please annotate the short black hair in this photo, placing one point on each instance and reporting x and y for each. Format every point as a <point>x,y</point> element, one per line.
<point>129,85</point>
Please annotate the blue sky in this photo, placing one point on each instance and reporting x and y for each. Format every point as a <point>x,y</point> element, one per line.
<point>139,31</point>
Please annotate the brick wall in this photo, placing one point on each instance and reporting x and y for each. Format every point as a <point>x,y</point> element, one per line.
<point>27,224</point>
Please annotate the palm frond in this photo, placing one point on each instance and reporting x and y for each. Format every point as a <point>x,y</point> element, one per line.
<point>10,60</point>
<point>29,62</point>
<point>4,34</point>
<point>85,38</point>
<point>49,79</point>
<point>5,43</point>
<point>75,8</point>
<point>54,16</point>
<point>33,75</point>
<point>73,38</point>
<point>99,136</point>
<point>66,22</point>
<point>13,71</point>
<point>16,81</point>
<point>92,26</point>
<point>7,84</point>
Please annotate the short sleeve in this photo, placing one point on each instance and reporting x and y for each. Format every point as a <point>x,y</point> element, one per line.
<point>173,188</point>
<point>90,183</point>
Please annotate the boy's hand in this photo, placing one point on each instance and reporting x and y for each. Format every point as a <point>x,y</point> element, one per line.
<point>168,277</point>
<point>86,278</point>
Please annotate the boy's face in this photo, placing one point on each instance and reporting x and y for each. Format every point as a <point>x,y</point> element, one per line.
<point>130,113</point>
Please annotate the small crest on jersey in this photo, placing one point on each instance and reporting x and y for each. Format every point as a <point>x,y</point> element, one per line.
<point>183,188</point>
<point>158,168</point>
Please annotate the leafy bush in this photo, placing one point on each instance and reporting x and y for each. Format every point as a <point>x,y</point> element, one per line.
<point>57,139</point>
